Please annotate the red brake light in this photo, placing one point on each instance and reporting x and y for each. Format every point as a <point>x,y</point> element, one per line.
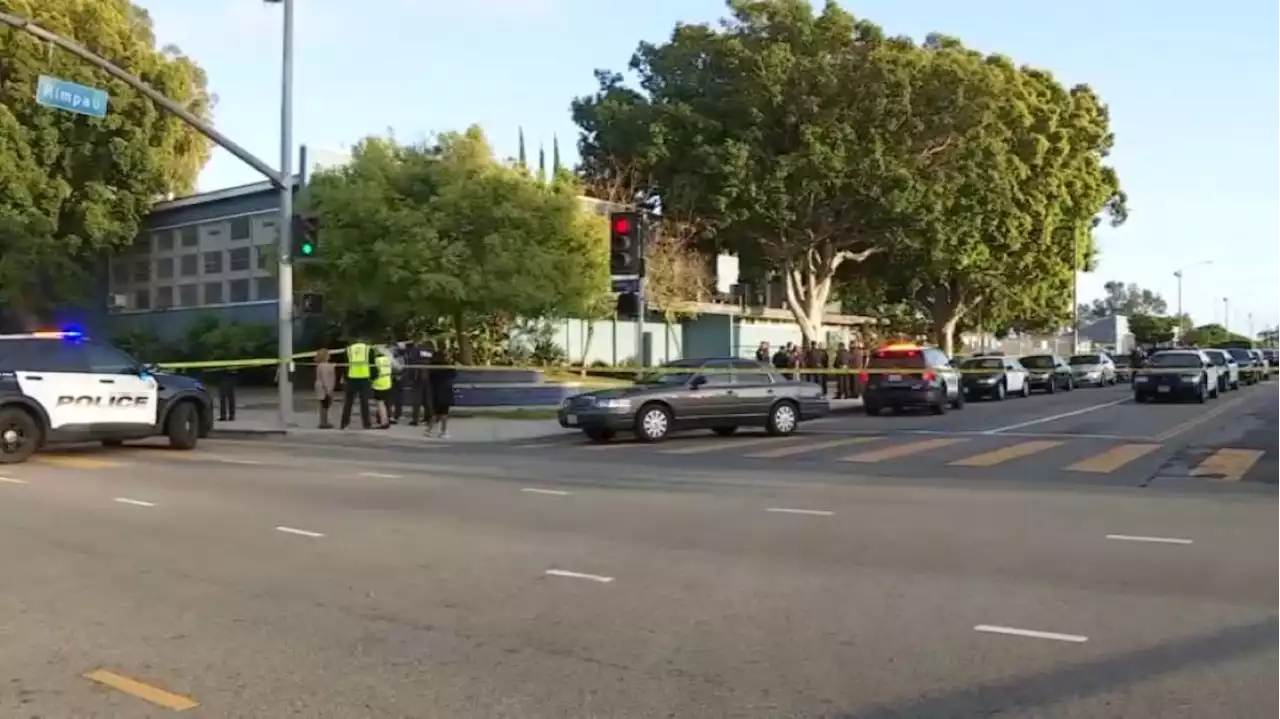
<point>912,353</point>
<point>863,377</point>
<point>621,225</point>
<point>930,376</point>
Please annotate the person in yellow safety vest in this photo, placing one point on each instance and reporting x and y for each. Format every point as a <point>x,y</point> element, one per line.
<point>382,387</point>
<point>358,384</point>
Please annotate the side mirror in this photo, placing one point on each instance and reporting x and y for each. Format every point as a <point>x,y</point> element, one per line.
<point>149,368</point>
<point>697,381</point>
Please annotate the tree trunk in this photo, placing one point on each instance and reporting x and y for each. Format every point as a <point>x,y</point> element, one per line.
<point>465,353</point>
<point>807,292</point>
<point>945,311</point>
<point>586,345</point>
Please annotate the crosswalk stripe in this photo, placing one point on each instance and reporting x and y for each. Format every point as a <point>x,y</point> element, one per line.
<point>1114,458</point>
<point>1227,464</point>
<point>1005,454</point>
<point>713,446</point>
<point>903,450</point>
<point>793,450</point>
<point>68,462</point>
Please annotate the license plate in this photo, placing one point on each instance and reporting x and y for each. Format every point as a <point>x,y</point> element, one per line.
<point>571,419</point>
<point>895,378</point>
<point>1162,389</point>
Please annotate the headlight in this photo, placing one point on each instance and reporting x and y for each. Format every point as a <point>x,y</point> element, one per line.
<point>1190,378</point>
<point>988,380</point>
<point>614,403</point>
<point>564,403</point>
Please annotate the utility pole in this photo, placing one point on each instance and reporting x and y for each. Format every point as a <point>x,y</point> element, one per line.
<point>1226,314</point>
<point>284,250</point>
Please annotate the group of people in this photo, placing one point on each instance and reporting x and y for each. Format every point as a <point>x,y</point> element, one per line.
<point>384,377</point>
<point>792,361</point>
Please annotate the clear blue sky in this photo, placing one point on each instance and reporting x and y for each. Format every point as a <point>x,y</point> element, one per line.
<point>1192,90</point>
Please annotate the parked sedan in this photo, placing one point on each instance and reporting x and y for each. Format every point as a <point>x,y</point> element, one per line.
<point>994,377</point>
<point>1228,369</point>
<point>1250,372</point>
<point>1095,369</point>
<point>717,394</point>
<point>1177,374</point>
<point>1048,373</point>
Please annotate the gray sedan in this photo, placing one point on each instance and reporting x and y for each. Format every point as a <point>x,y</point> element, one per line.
<point>717,394</point>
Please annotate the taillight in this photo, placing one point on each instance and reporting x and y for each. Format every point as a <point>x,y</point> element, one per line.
<point>930,376</point>
<point>863,377</point>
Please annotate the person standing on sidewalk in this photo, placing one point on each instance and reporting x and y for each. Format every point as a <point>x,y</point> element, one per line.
<point>381,384</point>
<point>326,384</point>
<point>357,384</point>
<point>227,380</point>
<point>440,377</point>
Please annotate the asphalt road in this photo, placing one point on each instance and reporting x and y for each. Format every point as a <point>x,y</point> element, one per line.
<point>274,580</point>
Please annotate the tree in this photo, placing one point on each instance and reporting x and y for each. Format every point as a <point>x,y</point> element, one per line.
<point>677,277</point>
<point>418,234</point>
<point>1002,214</point>
<point>776,131</point>
<point>1152,329</point>
<point>1126,300</point>
<point>73,186</point>
<point>1212,335</point>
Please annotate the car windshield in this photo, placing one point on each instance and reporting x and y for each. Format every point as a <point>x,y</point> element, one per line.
<point>1241,355</point>
<point>1175,359</point>
<point>674,373</point>
<point>1038,362</point>
<point>1219,358</point>
<point>1084,360</point>
<point>983,363</point>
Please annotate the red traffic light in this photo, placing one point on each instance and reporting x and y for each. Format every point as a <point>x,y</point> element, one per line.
<point>622,225</point>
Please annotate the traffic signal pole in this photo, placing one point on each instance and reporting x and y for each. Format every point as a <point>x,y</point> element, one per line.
<point>284,304</point>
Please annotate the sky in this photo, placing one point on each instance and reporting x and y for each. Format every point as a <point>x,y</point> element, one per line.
<point>1192,90</point>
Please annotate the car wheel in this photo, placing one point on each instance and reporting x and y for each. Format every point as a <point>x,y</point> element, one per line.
<point>940,407</point>
<point>958,402</point>
<point>1051,386</point>
<point>1071,384</point>
<point>183,426</point>
<point>784,418</point>
<point>599,434</point>
<point>1202,394</point>
<point>653,423</point>
<point>1235,385</point>
<point>871,409</point>
<point>1026,389</point>
<point>724,431</point>
<point>999,396</point>
<point>19,435</point>
<point>1139,397</point>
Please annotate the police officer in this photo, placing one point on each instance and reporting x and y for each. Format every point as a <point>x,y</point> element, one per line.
<point>357,384</point>
<point>381,384</point>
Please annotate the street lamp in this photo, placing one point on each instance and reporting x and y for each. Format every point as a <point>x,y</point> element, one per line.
<point>1226,314</point>
<point>1178,273</point>
<point>284,383</point>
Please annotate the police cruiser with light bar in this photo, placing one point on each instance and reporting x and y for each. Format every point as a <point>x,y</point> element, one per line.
<point>910,376</point>
<point>64,387</point>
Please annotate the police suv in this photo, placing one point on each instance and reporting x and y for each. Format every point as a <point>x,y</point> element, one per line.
<point>64,387</point>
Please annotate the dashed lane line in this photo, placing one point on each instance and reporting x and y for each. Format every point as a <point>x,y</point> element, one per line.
<point>134,502</point>
<point>1149,540</point>
<point>578,575</point>
<point>141,690</point>
<point>380,475</point>
<point>552,492</point>
<point>12,480</point>
<point>812,512</point>
<point>1032,633</point>
<point>1055,417</point>
<point>300,532</point>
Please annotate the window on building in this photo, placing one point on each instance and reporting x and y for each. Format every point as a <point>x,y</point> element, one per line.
<point>267,233</point>
<point>141,270</point>
<point>121,272</point>
<point>189,265</point>
<point>240,228</point>
<point>264,257</point>
<point>239,291</point>
<point>187,296</point>
<point>213,293</point>
<point>164,297</point>
<point>268,288</point>
<point>164,241</point>
<point>142,300</point>
<point>213,262</point>
<point>164,268</point>
<point>214,229</point>
<point>238,259</point>
<point>190,236</point>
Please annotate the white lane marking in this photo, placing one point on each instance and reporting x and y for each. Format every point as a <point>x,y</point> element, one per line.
<point>239,461</point>
<point>12,480</point>
<point>379,475</point>
<point>578,575</point>
<point>1054,417</point>
<point>814,512</point>
<point>299,532</point>
<point>135,502</point>
<point>1154,540</point>
<point>1014,631</point>
<point>552,492</point>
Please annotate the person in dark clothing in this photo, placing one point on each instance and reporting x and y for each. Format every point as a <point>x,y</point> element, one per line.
<point>844,384</point>
<point>440,376</point>
<point>419,388</point>
<point>1137,359</point>
<point>781,361</point>
<point>227,381</point>
<point>857,360</point>
<point>400,386</point>
<point>762,352</point>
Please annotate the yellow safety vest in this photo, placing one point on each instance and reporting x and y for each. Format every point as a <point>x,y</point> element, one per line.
<point>358,361</point>
<point>383,380</point>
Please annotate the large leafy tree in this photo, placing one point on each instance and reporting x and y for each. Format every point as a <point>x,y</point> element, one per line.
<point>72,186</point>
<point>1124,299</point>
<point>1004,213</point>
<point>418,234</point>
<point>784,131</point>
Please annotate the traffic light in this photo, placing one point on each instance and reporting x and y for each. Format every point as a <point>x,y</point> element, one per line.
<point>626,244</point>
<point>311,303</point>
<point>305,237</point>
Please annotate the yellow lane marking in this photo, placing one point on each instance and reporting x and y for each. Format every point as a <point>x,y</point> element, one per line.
<point>903,450</point>
<point>1005,454</point>
<point>145,692</point>
<point>1227,464</point>
<point>72,462</point>
<point>1114,458</point>
<point>713,446</point>
<point>1200,419</point>
<point>792,450</point>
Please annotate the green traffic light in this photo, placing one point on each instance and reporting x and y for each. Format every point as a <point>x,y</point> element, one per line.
<point>308,248</point>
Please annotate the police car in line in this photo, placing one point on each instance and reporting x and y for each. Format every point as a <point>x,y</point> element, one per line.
<point>64,387</point>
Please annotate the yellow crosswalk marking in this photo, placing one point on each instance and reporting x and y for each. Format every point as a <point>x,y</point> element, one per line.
<point>714,446</point>
<point>1114,458</point>
<point>1227,464</point>
<point>143,691</point>
<point>903,450</point>
<point>1005,454</point>
<point>792,450</point>
<point>66,461</point>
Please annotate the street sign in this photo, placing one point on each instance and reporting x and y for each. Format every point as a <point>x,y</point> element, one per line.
<point>65,95</point>
<point>626,284</point>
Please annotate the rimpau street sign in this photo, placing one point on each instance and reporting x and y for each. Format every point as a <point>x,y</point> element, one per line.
<point>64,95</point>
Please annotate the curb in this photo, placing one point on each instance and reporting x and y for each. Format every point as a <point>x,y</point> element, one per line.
<point>246,433</point>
